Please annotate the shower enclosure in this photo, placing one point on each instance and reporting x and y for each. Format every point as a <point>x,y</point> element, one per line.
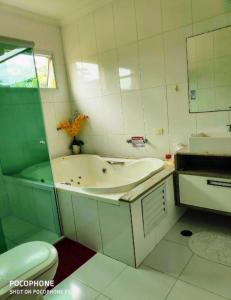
<point>28,208</point>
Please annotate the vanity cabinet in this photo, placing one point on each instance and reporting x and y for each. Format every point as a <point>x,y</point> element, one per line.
<point>203,181</point>
<point>207,192</point>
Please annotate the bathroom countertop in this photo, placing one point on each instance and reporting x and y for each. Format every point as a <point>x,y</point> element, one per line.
<point>133,194</point>
<point>186,151</point>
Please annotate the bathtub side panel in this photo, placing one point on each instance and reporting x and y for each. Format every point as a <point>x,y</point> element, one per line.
<point>145,243</point>
<point>67,214</point>
<point>87,221</point>
<point>116,230</point>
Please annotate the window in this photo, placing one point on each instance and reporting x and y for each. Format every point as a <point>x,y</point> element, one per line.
<point>45,71</point>
<point>17,69</point>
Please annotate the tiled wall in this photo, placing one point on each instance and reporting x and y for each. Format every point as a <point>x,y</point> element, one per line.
<point>56,103</point>
<point>127,66</point>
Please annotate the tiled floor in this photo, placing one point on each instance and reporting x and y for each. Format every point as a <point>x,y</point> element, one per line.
<point>170,272</point>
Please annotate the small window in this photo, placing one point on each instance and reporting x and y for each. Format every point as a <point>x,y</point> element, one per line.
<point>45,71</point>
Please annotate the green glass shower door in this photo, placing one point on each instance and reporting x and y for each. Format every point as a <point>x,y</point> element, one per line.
<point>28,208</point>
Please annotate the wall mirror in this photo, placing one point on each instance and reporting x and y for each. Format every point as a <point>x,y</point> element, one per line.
<point>209,71</point>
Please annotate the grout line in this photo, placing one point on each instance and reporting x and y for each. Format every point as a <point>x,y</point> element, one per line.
<point>175,242</point>
<point>81,281</point>
<point>202,288</point>
<point>100,291</point>
<point>117,276</point>
<point>182,271</point>
<point>170,290</point>
<point>103,296</point>
<point>162,272</point>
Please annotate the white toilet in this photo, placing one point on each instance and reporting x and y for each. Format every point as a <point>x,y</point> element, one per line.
<point>29,261</point>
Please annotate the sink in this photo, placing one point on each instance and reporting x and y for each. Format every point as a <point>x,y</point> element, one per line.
<point>211,143</point>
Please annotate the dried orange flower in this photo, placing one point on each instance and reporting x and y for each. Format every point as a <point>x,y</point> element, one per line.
<point>72,128</point>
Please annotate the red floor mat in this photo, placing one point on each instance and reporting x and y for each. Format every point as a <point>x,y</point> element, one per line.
<point>72,255</point>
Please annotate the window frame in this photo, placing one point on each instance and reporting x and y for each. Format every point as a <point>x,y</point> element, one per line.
<point>45,53</point>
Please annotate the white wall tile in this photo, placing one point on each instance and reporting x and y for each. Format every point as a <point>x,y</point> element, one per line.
<point>87,36</point>
<point>104,26</point>
<point>149,17</point>
<point>58,141</point>
<point>151,67</point>
<point>155,117</point>
<point>133,113</point>
<point>209,8</point>
<point>157,145</point>
<point>155,109</point>
<point>125,22</point>
<point>112,106</point>
<point>181,123</point>
<point>175,51</point>
<point>152,63</point>
<point>50,119</point>
<point>176,13</point>
<point>95,124</point>
<point>117,145</point>
<point>128,67</point>
<point>87,75</point>
<point>109,72</point>
<point>211,24</point>
<point>95,144</point>
<point>212,122</point>
<point>70,44</point>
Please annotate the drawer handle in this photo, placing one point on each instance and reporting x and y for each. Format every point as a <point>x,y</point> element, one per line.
<point>219,183</point>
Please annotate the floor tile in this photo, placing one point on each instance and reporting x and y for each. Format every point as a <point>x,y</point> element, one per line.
<point>185,223</point>
<point>99,271</point>
<point>142,283</point>
<point>72,289</point>
<point>181,289</point>
<point>168,257</point>
<point>208,275</point>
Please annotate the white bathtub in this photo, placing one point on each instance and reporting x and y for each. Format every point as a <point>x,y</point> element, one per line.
<point>98,175</point>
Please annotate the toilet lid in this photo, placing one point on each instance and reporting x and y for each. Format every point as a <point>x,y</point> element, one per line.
<point>25,261</point>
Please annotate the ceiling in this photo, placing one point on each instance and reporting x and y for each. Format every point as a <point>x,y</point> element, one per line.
<point>59,10</point>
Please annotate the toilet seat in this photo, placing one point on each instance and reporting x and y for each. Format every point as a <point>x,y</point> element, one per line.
<point>25,262</point>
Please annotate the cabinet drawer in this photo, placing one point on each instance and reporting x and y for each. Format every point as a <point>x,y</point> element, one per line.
<point>206,192</point>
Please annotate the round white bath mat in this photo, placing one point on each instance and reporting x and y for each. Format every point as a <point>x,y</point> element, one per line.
<point>212,246</point>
